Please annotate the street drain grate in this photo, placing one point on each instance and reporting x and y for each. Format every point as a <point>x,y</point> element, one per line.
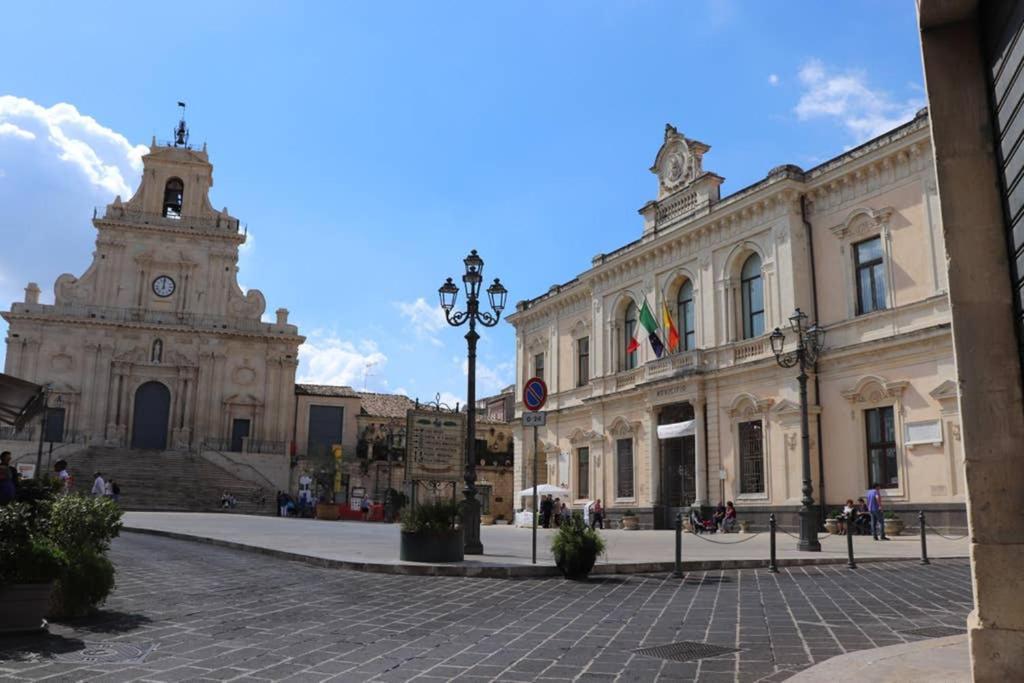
<point>108,652</point>
<point>935,631</point>
<point>685,651</point>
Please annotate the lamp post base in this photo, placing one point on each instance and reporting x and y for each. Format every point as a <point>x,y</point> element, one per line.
<point>471,527</point>
<point>809,529</point>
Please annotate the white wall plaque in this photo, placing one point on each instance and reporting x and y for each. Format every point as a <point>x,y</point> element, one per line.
<point>926,432</point>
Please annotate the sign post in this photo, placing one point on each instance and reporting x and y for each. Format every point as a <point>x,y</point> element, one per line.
<point>535,393</point>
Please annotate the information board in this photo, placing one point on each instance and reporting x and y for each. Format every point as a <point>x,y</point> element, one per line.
<point>435,444</point>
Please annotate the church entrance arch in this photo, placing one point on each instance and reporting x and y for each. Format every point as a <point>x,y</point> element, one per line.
<point>151,416</point>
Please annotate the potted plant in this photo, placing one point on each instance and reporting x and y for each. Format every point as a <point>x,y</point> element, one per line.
<point>893,525</point>
<point>832,521</point>
<point>487,520</point>
<point>630,520</point>
<point>82,527</point>
<point>30,563</point>
<point>429,533</point>
<point>576,547</point>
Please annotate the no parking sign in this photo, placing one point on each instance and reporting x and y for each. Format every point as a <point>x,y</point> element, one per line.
<point>535,393</point>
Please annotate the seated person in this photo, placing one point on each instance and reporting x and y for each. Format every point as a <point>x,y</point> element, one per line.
<point>696,521</point>
<point>844,522</point>
<point>719,516</point>
<point>862,517</point>
<point>729,524</point>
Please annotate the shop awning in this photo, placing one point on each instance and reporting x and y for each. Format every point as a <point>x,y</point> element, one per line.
<point>20,401</point>
<point>676,429</point>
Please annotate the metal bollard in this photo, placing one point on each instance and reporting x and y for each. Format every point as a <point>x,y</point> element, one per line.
<point>678,573</point>
<point>850,564</point>
<point>924,540</point>
<point>772,567</point>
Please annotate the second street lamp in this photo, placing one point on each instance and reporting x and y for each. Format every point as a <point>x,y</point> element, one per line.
<point>496,294</point>
<point>809,342</point>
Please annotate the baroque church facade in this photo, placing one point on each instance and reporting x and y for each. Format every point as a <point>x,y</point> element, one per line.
<point>856,244</point>
<point>156,346</point>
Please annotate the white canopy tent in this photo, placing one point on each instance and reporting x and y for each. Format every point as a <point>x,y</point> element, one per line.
<point>677,429</point>
<point>544,490</point>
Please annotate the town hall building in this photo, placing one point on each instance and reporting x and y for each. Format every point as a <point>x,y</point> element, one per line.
<point>703,414</point>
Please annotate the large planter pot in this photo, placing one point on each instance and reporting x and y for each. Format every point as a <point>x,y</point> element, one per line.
<point>578,565</point>
<point>25,606</point>
<point>487,520</point>
<point>894,527</point>
<point>431,546</point>
<point>630,522</point>
<point>831,526</point>
<point>327,511</point>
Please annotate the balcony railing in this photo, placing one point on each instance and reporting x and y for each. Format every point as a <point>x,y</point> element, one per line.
<point>673,365</point>
<point>216,223</point>
<point>141,315</point>
<point>755,348</point>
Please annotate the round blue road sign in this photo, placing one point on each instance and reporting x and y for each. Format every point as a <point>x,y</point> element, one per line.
<point>535,393</point>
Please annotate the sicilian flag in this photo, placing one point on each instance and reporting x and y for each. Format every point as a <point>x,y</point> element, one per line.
<point>666,323</point>
<point>651,325</point>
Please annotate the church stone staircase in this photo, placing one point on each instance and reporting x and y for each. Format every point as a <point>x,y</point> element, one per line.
<point>175,481</point>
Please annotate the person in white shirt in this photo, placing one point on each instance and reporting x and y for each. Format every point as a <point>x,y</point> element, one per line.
<point>99,487</point>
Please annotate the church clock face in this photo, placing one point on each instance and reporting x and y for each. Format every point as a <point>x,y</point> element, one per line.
<point>163,286</point>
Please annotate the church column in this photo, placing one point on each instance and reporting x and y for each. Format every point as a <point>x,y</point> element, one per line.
<point>101,393</point>
<point>89,352</point>
<point>271,380</point>
<point>700,474</point>
<point>287,391</point>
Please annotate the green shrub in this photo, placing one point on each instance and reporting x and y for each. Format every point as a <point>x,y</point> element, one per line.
<point>80,524</point>
<point>83,527</point>
<point>84,586</point>
<point>629,513</point>
<point>576,547</point>
<point>430,517</point>
<point>889,514</point>
<point>27,555</point>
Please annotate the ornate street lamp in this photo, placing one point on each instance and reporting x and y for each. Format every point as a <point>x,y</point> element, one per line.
<point>496,294</point>
<point>809,342</point>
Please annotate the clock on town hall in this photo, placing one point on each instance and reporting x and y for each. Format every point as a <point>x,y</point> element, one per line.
<point>163,286</point>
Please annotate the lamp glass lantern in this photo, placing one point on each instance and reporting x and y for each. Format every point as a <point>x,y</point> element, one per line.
<point>797,320</point>
<point>474,274</point>
<point>778,339</point>
<point>497,295</point>
<point>448,293</point>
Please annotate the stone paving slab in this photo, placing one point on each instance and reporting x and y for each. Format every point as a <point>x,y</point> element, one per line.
<point>213,613</point>
<point>373,547</point>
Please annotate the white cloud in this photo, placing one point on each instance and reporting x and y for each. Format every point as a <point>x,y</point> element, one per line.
<point>56,164</point>
<point>846,96</point>
<point>451,400</point>
<point>490,380</point>
<point>424,320</point>
<point>328,359</point>
<point>773,79</point>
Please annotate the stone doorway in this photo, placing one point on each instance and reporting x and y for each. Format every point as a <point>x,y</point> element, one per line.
<point>677,483</point>
<point>151,416</point>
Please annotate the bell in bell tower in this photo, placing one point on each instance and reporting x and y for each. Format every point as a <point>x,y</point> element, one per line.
<point>181,131</point>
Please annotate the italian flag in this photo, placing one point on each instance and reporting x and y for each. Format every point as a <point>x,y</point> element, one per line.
<point>651,325</point>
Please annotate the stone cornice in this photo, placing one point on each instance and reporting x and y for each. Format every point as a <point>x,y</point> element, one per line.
<point>102,223</point>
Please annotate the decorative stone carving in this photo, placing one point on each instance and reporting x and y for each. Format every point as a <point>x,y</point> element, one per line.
<point>620,428</point>
<point>863,222</point>
<point>874,389</point>
<point>748,405</point>
<point>244,376</point>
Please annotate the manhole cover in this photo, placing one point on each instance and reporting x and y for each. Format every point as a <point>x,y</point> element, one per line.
<point>935,631</point>
<point>109,652</point>
<point>685,651</point>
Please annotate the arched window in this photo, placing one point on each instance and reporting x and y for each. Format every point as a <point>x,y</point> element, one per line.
<point>684,315</point>
<point>157,354</point>
<point>174,194</point>
<point>752,290</point>
<point>629,348</point>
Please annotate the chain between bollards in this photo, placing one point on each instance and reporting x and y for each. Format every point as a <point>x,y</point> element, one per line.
<point>772,567</point>
<point>924,540</point>
<point>678,572</point>
<point>850,564</point>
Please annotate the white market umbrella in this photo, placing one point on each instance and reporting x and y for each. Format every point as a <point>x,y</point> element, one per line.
<point>544,490</point>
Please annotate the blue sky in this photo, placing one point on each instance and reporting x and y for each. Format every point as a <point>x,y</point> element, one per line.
<point>369,146</point>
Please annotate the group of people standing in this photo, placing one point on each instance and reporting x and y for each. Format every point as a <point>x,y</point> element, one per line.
<point>864,516</point>
<point>553,512</point>
<point>108,489</point>
<point>9,477</point>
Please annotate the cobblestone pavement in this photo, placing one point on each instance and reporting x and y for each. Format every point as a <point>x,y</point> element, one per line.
<point>187,611</point>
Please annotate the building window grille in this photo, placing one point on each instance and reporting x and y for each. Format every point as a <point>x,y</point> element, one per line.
<point>867,262</point>
<point>174,195</point>
<point>684,314</point>
<point>752,289</point>
<point>624,468</point>
<point>582,361</point>
<point>583,472</point>
<point>629,358</point>
<point>881,441</point>
<point>751,457</point>
<point>538,365</point>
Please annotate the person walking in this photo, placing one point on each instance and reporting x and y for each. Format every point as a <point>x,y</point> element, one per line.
<point>556,509</point>
<point>364,507</point>
<point>597,515</point>
<point>875,510</point>
<point>8,479</point>
<point>115,491</point>
<point>99,487</point>
<point>61,469</point>
<point>545,511</point>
